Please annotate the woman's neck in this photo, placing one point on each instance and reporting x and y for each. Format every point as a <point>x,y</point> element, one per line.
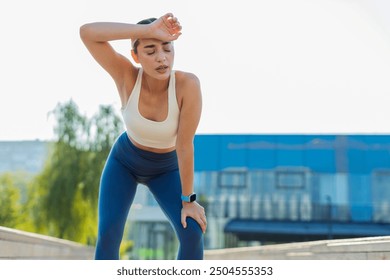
<point>154,86</point>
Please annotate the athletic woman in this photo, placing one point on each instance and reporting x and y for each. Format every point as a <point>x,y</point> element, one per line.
<point>161,109</point>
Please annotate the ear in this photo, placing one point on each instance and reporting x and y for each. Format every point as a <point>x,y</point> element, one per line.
<point>134,56</point>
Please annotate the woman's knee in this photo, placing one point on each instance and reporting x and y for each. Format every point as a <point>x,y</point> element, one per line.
<point>192,232</point>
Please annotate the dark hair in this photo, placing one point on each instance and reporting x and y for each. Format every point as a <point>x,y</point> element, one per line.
<point>144,21</point>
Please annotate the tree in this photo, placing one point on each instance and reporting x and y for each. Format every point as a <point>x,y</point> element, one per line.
<point>9,202</point>
<point>105,127</point>
<point>14,211</point>
<point>64,195</point>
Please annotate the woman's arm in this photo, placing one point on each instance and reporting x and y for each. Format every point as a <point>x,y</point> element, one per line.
<point>190,112</point>
<point>96,37</point>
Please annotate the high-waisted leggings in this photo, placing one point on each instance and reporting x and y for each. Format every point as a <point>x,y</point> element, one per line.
<point>126,166</point>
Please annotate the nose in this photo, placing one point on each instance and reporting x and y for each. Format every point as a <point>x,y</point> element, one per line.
<point>161,56</point>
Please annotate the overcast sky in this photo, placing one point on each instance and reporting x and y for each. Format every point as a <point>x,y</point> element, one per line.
<point>282,66</point>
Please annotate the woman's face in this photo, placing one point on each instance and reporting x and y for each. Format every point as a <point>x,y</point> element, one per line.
<point>156,57</point>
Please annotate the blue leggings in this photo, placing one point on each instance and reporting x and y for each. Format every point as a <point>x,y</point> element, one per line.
<point>125,167</point>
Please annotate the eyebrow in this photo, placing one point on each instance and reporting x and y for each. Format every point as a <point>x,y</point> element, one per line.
<point>153,45</point>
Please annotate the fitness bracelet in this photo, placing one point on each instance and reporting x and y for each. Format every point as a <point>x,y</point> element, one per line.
<point>189,198</point>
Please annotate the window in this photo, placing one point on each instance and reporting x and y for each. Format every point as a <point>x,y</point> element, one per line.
<point>290,179</point>
<point>232,179</point>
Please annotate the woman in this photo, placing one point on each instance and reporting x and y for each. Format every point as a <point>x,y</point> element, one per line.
<point>161,109</point>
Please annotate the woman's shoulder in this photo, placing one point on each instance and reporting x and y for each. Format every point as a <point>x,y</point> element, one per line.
<point>186,80</point>
<point>187,87</point>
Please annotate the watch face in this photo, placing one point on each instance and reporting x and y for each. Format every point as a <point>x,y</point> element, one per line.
<point>192,197</point>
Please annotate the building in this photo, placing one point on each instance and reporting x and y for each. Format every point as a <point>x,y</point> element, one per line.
<point>28,156</point>
<point>284,188</point>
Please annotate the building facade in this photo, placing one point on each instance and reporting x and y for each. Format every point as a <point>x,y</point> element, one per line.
<point>284,188</point>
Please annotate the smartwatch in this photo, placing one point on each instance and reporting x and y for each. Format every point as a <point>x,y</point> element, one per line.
<point>189,198</point>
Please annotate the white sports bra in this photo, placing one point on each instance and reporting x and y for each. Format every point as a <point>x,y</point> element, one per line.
<point>150,133</point>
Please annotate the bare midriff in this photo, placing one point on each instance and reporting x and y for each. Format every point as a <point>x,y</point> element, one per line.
<point>150,149</point>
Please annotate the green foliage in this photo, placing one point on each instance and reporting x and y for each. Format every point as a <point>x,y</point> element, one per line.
<point>63,197</point>
<point>14,209</point>
<point>150,254</point>
<point>9,202</point>
<point>125,249</point>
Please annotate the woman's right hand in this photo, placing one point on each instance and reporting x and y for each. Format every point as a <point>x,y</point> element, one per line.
<point>166,28</point>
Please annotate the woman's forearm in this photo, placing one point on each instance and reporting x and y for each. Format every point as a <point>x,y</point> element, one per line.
<point>186,167</point>
<point>110,31</point>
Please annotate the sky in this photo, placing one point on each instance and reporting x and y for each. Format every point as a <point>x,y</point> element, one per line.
<point>282,66</point>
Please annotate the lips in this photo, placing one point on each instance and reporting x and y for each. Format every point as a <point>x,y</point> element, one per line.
<point>162,68</point>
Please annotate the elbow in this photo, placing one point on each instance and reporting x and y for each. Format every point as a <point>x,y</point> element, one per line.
<point>85,31</point>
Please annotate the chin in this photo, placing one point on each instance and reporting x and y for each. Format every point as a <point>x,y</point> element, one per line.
<point>159,75</point>
<point>162,76</point>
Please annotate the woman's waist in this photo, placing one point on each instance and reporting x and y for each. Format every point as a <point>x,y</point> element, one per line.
<point>151,149</point>
<point>132,150</point>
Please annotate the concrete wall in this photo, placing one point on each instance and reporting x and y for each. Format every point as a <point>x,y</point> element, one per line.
<point>16,244</point>
<point>372,248</point>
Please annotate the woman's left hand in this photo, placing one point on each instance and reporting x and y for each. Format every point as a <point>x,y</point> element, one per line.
<point>166,28</point>
<point>195,211</point>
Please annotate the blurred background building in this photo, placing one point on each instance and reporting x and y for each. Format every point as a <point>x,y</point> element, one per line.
<point>27,156</point>
<point>262,189</point>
